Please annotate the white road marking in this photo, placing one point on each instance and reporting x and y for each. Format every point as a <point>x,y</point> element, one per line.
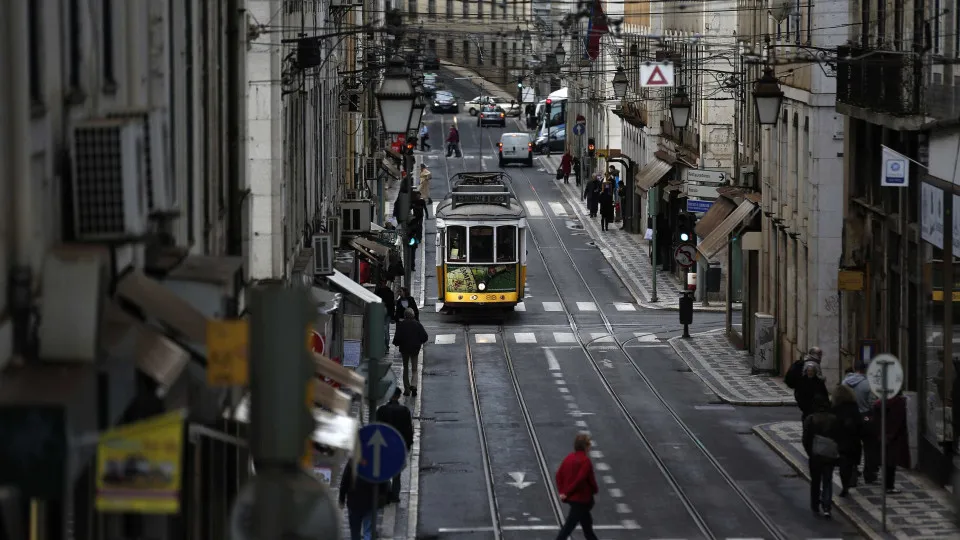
<point>566,397</point>
<point>552,362</point>
<point>603,466</point>
<point>572,406</point>
<point>596,454</point>
<point>630,524</point>
<point>485,338</point>
<point>525,337</point>
<point>624,307</point>
<point>564,337</point>
<point>552,306</point>
<point>586,306</point>
<point>615,493</point>
<point>578,414</point>
<point>598,335</point>
<point>557,209</point>
<point>564,390</point>
<point>520,307</point>
<point>558,375</point>
<point>461,530</point>
<point>518,481</point>
<point>580,423</point>
<point>646,346</point>
<point>714,407</point>
<point>445,339</point>
<point>645,336</point>
<point>609,480</point>
<point>533,208</point>
<point>623,508</point>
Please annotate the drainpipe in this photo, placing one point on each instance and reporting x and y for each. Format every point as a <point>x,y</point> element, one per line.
<point>20,294</point>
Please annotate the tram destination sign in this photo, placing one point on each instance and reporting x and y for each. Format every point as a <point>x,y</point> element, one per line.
<point>500,199</point>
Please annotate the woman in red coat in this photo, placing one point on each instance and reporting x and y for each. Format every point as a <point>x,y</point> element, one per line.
<point>577,486</point>
<point>565,163</point>
<point>897,441</point>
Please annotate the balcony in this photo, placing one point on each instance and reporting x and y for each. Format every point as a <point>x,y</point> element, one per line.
<point>886,87</point>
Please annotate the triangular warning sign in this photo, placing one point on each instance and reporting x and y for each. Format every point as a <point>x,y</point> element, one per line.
<point>656,78</point>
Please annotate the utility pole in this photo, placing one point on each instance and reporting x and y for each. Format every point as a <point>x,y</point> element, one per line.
<point>236,114</point>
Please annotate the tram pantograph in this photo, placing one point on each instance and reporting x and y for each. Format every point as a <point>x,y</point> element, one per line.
<point>481,243</point>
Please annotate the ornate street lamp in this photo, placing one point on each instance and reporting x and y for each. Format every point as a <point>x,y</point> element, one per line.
<point>560,53</point>
<point>396,98</point>
<point>767,97</point>
<point>680,109</point>
<point>620,83</point>
<point>416,113</point>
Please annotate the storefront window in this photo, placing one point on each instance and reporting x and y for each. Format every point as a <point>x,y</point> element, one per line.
<point>457,244</point>
<point>481,244</point>
<point>506,244</point>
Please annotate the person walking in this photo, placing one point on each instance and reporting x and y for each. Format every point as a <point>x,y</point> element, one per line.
<point>424,137</point>
<point>404,302</point>
<point>389,304</point>
<point>577,485</point>
<point>810,386</point>
<point>576,170</point>
<point>870,441</point>
<point>795,372</point>
<point>606,207</point>
<point>849,433</point>
<point>409,337</point>
<point>357,495</point>
<point>897,442</point>
<point>565,162</point>
<point>592,194</point>
<point>453,141</point>
<point>397,416</point>
<point>425,177</point>
<point>820,435</point>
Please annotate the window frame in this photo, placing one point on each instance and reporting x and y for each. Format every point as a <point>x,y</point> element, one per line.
<point>34,59</point>
<point>493,244</point>
<point>465,247</point>
<point>516,245</point>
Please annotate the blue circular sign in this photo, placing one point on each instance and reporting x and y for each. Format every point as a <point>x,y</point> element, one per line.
<point>579,129</point>
<point>383,453</point>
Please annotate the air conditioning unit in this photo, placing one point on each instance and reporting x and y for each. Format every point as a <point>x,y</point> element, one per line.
<point>322,254</point>
<point>109,167</point>
<point>334,230</point>
<point>351,195</point>
<point>370,169</point>
<point>159,178</point>
<point>356,216</point>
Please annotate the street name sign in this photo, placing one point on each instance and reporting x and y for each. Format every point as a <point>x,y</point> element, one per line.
<point>704,176</point>
<point>383,453</point>
<point>656,74</point>
<point>699,190</point>
<point>698,206</point>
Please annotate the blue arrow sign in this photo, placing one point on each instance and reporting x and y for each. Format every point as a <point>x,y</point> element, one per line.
<point>579,129</point>
<point>383,453</point>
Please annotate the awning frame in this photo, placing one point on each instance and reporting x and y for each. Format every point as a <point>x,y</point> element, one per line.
<point>651,173</point>
<point>721,209</point>
<point>351,287</point>
<point>720,236</point>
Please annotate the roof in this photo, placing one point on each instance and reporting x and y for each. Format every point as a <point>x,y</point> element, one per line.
<point>475,187</point>
<point>445,210</point>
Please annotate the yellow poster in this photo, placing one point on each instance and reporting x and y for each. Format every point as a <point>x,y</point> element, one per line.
<point>139,466</point>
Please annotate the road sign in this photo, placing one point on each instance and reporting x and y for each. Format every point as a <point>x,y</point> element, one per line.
<point>658,74</point>
<point>685,255</point>
<point>383,453</point>
<point>699,190</point>
<point>581,126</point>
<point>894,379</point>
<point>705,176</point>
<point>698,206</point>
<point>527,95</point>
<point>896,169</point>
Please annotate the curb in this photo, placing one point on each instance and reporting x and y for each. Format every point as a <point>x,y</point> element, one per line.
<point>866,530</point>
<point>720,393</point>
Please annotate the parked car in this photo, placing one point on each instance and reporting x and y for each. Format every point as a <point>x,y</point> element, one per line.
<point>555,143</point>
<point>492,115</point>
<point>476,104</point>
<point>510,106</point>
<point>515,148</point>
<point>445,101</point>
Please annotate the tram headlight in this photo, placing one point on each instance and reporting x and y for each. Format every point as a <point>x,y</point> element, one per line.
<point>482,287</point>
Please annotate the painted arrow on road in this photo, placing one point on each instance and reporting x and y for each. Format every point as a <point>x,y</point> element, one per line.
<point>518,480</point>
<point>377,442</point>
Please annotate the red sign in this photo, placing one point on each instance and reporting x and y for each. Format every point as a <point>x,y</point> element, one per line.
<point>398,143</point>
<point>318,344</point>
<point>656,78</point>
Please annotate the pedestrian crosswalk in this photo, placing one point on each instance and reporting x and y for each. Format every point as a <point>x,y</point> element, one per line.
<point>535,209</point>
<point>631,339</point>
<point>583,307</point>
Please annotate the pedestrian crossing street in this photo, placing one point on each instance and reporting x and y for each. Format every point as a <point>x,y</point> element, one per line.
<point>589,307</point>
<point>638,339</point>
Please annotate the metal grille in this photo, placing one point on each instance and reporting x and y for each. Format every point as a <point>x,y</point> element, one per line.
<point>98,181</point>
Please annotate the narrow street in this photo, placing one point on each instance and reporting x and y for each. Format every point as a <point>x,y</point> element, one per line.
<point>504,395</point>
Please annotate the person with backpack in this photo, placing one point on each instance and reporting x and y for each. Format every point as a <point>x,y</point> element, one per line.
<point>821,431</point>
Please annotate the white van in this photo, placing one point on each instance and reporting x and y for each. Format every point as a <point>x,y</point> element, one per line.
<point>515,148</point>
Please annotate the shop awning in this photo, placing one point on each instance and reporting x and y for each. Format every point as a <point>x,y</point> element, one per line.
<point>722,207</point>
<point>159,302</point>
<point>370,248</point>
<point>156,356</point>
<point>352,288</point>
<point>720,236</point>
<point>333,430</point>
<point>390,168</point>
<point>651,173</point>
<point>327,301</point>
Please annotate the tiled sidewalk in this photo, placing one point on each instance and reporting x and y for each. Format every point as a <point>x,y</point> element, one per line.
<point>627,253</point>
<point>727,371</point>
<point>922,511</point>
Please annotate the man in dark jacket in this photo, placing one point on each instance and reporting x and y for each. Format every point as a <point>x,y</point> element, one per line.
<point>409,337</point>
<point>404,302</point>
<point>389,303</point>
<point>397,416</point>
<point>821,424</point>
<point>358,496</point>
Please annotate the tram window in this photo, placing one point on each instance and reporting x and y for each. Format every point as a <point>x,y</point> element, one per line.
<point>457,244</point>
<point>506,243</point>
<point>481,244</point>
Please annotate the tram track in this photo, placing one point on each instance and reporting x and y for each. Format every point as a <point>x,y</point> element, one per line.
<point>661,463</point>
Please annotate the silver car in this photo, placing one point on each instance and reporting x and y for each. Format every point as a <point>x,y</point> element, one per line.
<point>491,115</point>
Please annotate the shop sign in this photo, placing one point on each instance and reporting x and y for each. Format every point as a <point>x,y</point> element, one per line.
<point>850,280</point>
<point>139,466</point>
<point>228,344</point>
<point>895,170</point>
<point>931,214</point>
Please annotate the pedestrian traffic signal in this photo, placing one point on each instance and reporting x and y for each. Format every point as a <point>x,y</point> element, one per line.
<point>519,82</point>
<point>686,221</point>
<point>591,147</point>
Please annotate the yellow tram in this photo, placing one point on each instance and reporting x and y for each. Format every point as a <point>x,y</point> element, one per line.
<point>481,243</point>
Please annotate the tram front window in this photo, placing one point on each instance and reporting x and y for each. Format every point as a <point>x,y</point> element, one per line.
<point>506,243</point>
<point>481,244</point>
<point>457,244</point>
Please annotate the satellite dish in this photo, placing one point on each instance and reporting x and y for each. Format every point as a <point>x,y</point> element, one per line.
<point>782,9</point>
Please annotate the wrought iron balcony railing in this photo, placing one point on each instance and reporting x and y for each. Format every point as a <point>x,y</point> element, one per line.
<point>885,82</point>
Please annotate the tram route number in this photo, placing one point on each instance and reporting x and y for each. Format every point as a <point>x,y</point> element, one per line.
<point>480,198</point>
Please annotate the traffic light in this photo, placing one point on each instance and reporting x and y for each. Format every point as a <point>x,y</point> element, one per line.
<point>591,147</point>
<point>685,224</point>
<point>520,82</point>
<point>547,106</point>
<point>411,145</point>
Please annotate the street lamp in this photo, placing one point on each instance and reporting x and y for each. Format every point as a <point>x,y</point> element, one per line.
<point>680,109</point>
<point>767,97</point>
<point>396,98</point>
<point>560,53</point>
<point>416,113</point>
<point>620,83</point>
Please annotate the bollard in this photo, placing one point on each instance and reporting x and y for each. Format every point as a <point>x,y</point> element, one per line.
<point>686,312</point>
